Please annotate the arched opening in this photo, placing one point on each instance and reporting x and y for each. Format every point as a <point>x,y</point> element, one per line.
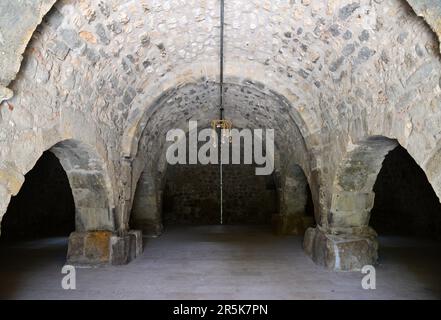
<point>36,226</point>
<point>68,194</point>
<point>44,207</point>
<point>383,209</point>
<point>189,194</point>
<point>405,202</point>
<point>407,218</point>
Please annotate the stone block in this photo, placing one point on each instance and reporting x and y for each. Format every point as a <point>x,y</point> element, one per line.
<point>96,248</point>
<point>135,244</point>
<point>126,247</point>
<point>343,252</point>
<point>120,248</point>
<point>75,247</point>
<point>352,201</point>
<point>89,248</point>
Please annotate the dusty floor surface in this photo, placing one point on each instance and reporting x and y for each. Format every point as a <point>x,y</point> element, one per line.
<point>214,262</point>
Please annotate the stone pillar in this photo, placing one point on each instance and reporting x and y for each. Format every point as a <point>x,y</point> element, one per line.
<point>293,197</point>
<point>90,184</point>
<point>343,240</point>
<point>347,243</point>
<point>146,214</point>
<point>103,247</point>
<point>351,209</point>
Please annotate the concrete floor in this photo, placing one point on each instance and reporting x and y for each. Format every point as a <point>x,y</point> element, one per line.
<point>216,262</point>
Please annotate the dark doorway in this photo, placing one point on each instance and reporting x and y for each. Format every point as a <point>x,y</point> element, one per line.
<point>405,202</point>
<point>44,207</point>
<point>407,217</point>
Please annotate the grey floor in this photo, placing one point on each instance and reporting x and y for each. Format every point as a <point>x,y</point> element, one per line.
<point>214,262</point>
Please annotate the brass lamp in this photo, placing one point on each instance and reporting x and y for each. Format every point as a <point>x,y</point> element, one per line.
<point>225,127</point>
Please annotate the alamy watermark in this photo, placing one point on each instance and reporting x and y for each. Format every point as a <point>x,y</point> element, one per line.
<point>257,146</point>
<point>69,281</point>
<point>369,281</point>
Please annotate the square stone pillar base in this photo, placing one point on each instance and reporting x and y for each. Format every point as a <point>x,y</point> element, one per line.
<point>343,252</point>
<point>94,248</point>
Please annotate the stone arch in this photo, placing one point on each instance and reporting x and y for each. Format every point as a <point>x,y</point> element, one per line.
<point>154,118</point>
<point>235,73</point>
<point>89,182</point>
<point>44,206</point>
<point>90,185</point>
<point>345,241</point>
<point>149,183</point>
<point>98,238</point>
<point>352,194</point>
<point>400,75</point>
<point>95,240</point>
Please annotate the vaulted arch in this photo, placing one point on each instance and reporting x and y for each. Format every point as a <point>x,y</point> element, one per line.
<point>118,76</point>
<point>347,241</point>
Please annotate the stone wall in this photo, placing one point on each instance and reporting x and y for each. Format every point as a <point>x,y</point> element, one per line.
<point>18,20</point>
<point>431,11</point>
<point>192,195</point>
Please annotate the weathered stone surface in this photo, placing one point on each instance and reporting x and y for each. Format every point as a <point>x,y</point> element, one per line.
<point>18,20</point>
<point>247,198</point>
<point>136,245</point>
<point>430,10</point>
<point>103,247</point>
<point>89,248</point>
<point>341,252</point>
<point>116,78</point>
<point>5,94</point>
<point>11,179</point>
<point>120,249</point>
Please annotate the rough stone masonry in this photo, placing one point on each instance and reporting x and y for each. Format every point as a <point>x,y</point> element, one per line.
<point>99,83</point>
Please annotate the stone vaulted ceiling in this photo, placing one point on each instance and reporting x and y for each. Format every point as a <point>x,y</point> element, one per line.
<point>116,75</point>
